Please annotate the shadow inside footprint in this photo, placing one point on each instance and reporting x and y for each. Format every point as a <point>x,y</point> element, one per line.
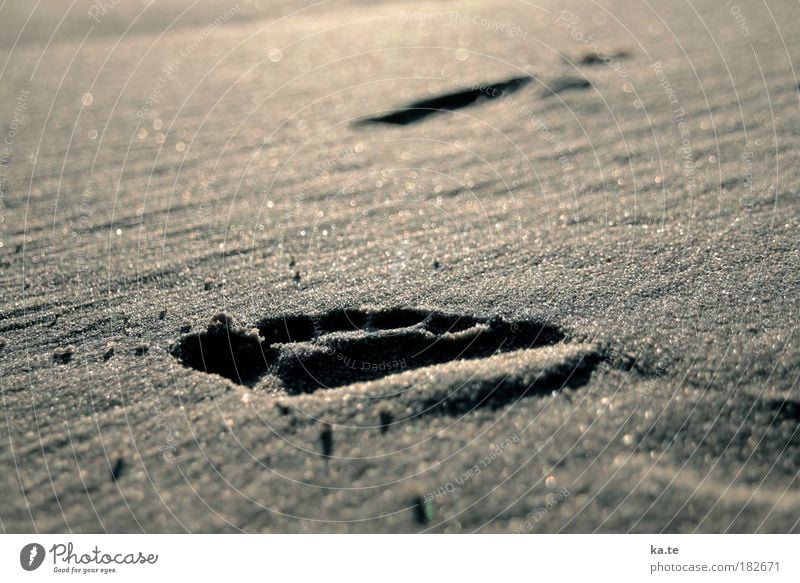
<point>598,58</point>
<point>419,110</point>
<point>341,347</point>
<point>566,84</point>
<point>223,349</point>
<point>337,359</point>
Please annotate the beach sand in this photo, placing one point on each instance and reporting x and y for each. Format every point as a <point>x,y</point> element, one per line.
<point>399,267</point>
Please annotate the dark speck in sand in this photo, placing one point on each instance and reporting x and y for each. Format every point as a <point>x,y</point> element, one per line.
<point>423,509</point>
<point>118,469</point>
<point>63,355</point>
<point>386,419</point>
<point>326,440</point>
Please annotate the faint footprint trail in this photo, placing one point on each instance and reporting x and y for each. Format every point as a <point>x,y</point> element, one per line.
<point>419,110</point>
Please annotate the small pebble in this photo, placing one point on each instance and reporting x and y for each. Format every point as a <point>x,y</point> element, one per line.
<point>117,469</point>
<point>222,319</point>
<point>386,419</point>
<point>326,439</point>
<point>63,355</point>
<point>423,508</point>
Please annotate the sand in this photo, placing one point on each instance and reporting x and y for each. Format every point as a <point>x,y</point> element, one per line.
<point>253,283</point>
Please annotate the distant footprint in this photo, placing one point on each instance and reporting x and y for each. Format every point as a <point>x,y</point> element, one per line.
<point>419,110</point>
<point>563,84</point>
<point>342,347</point>
<point>594,58</point>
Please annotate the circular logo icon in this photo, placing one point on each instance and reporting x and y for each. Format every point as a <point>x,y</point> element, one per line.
<point>31,556</point>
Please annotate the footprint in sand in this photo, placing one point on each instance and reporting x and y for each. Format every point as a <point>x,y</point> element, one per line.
<point>305,353</point>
